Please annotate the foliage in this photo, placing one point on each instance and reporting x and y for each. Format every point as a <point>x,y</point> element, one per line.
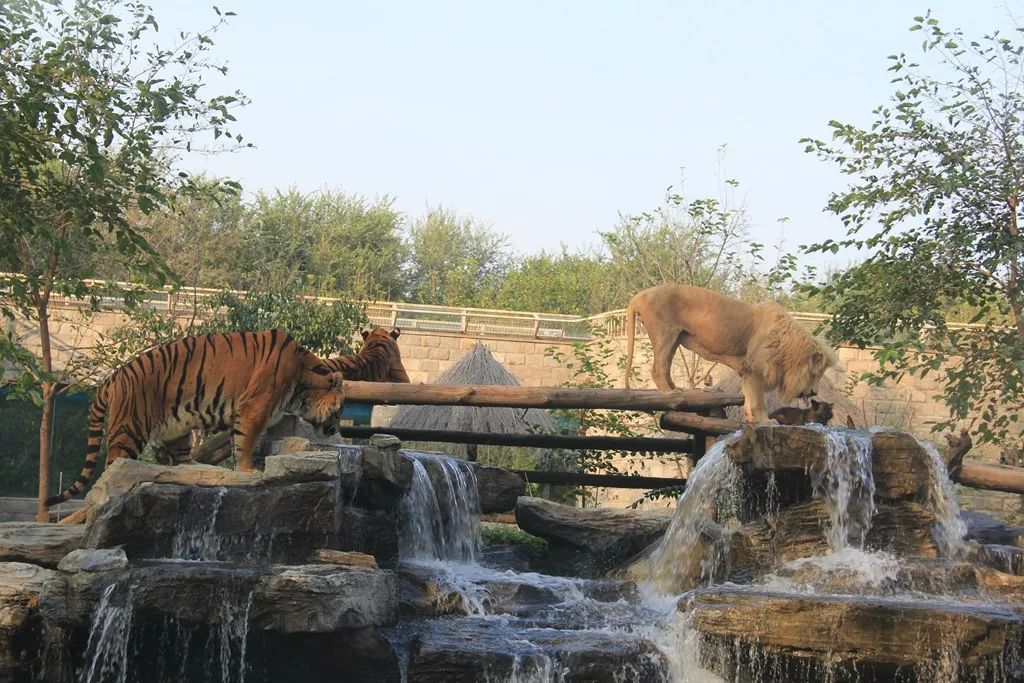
<point>509,534</point>
<point>571,283</point>
<point>93,112</point>
<point>934,197</point>
<point>591,364</point>
<point>454,259</point>
<point>326,329</point>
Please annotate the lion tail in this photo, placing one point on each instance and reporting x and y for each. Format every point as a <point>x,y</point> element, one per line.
<point>630,334</point>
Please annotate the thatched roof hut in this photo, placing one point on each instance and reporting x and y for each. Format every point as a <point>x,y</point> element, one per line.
<point>478,366</point>
<point>842,406</point>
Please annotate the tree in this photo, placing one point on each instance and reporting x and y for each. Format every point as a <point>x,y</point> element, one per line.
<point>454,259</point>
<point>702,242</point>
<point>557,283</point>
<point>934,197</point>
<point>93,114</point>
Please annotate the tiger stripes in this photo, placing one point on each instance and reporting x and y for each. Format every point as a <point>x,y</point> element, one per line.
<point>379,360</point>
<point>242,381</point>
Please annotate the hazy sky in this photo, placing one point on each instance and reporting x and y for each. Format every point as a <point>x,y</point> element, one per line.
<point>546,119</point>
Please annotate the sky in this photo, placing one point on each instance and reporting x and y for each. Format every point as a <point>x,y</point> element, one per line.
<point>549,119</point>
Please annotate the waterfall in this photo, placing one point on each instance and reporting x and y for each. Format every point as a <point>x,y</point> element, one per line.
<point>106,656</point>
<point>196,535</point>
<point>949,529</point>
<point>440,514</point>
<point>847,484</point>
<point>713,488</point>
<point>121,643</point>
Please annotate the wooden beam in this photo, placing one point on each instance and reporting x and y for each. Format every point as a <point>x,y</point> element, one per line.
<point>608,443</point>
<point>615,481</point>
<point>991,477</point>
<point>677,421</point>
<point>535,397</point>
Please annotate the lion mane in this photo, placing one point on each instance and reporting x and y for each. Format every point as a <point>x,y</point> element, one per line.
<point>762,343</point>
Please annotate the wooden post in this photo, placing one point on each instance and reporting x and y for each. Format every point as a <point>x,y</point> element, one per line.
<point>535,397</point>
<point>553,441</point>
<point>699,424</point>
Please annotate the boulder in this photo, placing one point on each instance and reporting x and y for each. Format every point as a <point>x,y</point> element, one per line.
<point>498,488</point>
<point>124,474</point>
<point>21,627</point>
<point>324,598</point>
<point>94,560</point>
<point>373,532</point>
<point>987,529</point>
<point>272,522</point>
<point>386,476</point>
<point>39,542</point>
<point>479,649</point>
<point>589,541</point>
<point>862,631</point>
<point>899,463</point>
<point>336,465</point>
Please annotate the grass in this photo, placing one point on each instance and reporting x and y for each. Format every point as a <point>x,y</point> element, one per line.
<point>493,533</point>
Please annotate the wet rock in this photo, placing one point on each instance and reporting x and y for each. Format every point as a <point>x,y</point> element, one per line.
<point>1004,558</point>
<point>987,529</point>
<point>470,650</point>
<point>420,596</point>
<point>859,629</point>
<point>589,541</point>
<point>359,654</point>
<point>899,464</point>
<point>39,542</point>
<point>386,476</point>
<point>94,560</point>
<point>323,598</point>
<point>275,522</point>
<point>124,474</point>
<point>344,466</point>
<point>20,622</point>
<point>373,532</point>
<point>512,557</point>
<point>800,531</point>
<point>499,489</point>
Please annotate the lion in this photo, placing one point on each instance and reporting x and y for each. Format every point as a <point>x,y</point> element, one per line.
<point>762,343</point>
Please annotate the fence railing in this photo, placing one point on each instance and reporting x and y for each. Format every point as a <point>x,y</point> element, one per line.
<point>477,322</point>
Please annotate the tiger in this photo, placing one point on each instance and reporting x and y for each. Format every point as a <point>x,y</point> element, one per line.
<point>237,381</point>
<point>379,360</point>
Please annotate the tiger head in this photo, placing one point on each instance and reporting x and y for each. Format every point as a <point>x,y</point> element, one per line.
<point>381,346</point>
<point>320,398</point>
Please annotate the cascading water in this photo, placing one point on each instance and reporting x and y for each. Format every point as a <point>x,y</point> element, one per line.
<point>120,642</point>
<point>196,536</point>
<point>949,530</point>
<point>440,515</point>
<point>711,490</point>
<point>847,485</point>
<point>106,657</point>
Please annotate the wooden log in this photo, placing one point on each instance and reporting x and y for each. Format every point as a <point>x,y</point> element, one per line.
<point>979,475</point>
<point>611,443</point>
<point>76,517</point>
<point>615,481</point>
<point>991,477</point>
<point>535,397</point>
<point>700,425</point>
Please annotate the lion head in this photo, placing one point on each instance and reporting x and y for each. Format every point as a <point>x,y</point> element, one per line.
<point>791,359</point>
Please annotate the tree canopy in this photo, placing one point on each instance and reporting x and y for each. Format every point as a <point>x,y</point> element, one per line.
<point>934,198</point>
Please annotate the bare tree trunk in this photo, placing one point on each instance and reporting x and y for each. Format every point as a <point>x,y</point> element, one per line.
<point>45,424</point>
